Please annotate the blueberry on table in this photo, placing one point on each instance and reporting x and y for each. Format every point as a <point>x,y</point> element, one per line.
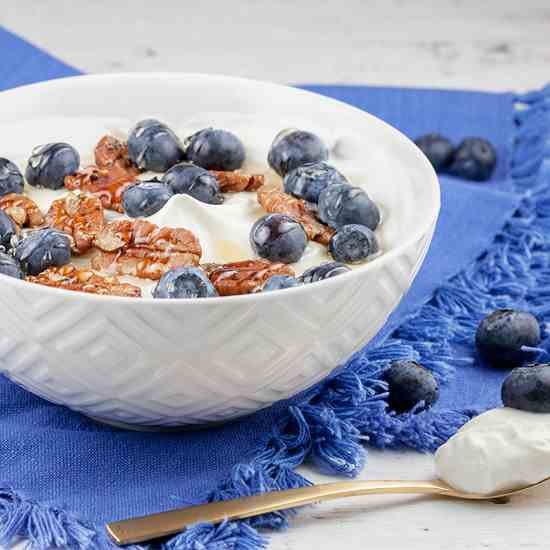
<point>438,149</point>
<point>145,198</point>
<point>10,266</point>
<point>307,181</point>
<point>154,146</point>
<point>43,248</point>
<point>353,244</point>
<point>50,163</point>
<point>215,149</point>
<point>184,282</point>
<point>505,338</point>
<point>8,231</point>
<point>11,179</point>
<point>188,179</point>
<point>278,282</point>
<point>292,148</point>
<point>278,238</point>
<point>408,384</point>
<point>528,389</point>
<point>322,272</point>
<point>342,204</point>
<point>474,159</point>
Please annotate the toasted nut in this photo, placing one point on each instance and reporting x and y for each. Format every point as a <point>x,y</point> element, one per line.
<point>80,216</point>
<point>234,182</point>
<point>70,277</point>
<point>23,210</point>
<point>276,201</point>
<point>243,277</point>
<point>142,249</point>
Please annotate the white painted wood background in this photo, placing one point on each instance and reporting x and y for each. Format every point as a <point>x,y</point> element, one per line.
<point>492,45</point>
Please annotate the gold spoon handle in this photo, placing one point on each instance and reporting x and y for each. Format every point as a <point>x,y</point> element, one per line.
<point>144,528</point>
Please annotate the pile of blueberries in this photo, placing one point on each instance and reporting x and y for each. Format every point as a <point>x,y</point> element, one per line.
<point>472,159</point>
<point>506,339</point>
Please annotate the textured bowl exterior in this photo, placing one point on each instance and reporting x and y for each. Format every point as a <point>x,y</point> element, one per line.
<point>169,363</point>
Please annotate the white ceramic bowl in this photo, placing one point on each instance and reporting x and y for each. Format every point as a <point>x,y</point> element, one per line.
<point>168,363</point>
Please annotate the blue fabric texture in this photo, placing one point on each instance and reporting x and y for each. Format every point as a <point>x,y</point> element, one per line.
<point>62,475</point>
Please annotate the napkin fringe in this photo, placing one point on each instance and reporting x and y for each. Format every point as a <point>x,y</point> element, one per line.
<point>350,408</point>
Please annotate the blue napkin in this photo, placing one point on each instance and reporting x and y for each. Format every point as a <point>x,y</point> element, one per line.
<point>64,475</point>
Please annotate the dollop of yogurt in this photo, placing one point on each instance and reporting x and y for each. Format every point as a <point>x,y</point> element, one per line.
<point>500,450</point>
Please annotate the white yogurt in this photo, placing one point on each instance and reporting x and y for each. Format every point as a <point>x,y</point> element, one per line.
<point>223,230</point>
<point>499,450</point>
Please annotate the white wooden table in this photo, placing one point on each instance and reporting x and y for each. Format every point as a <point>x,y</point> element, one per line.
<point>492,45</point>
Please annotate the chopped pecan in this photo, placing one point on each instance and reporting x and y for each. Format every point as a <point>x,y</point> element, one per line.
<point>233,182</point>
<point>71,277</point>
<point>243,277</point>
<point>80,216</point>
<point>274,200</point>
<point>142,249</point>
<point>110,152</point>
<point>23,210</point>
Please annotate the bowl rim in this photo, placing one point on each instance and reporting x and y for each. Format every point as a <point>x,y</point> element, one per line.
<point>412,237</point>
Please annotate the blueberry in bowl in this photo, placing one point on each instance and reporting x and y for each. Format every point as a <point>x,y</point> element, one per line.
<point>353,244</point>
<point>10,266</point>
<point>438,149</point>
<point>11,179</point>
<point>474,159</point>
<point>410,384</point>
<point>215,149</point>
<point>184,283</point>
<point>152,145</point>
<point>188,179</point>
<point>292,148</point>
<point>308,180</point>
<point>507,337</point>
<point>341,204</point>
<point>278,238</point>
<point>145,198</point>
<point>323,271</point>
<point>49,165</point>
<point>43,248</point>
<point>279,282</point>
<point>528,389</point>
<point>8,231</point>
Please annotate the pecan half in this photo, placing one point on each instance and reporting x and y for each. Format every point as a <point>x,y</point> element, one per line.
<point>143,249</point>
<point>23,210</point>
<point>80,216</point>
<point>233,182</point>
<point>276,201</point>
<point>113,173</point>
<point>243,277</point>
<point>70,277</point>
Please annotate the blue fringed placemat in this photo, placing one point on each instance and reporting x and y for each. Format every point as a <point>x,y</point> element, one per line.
<point>64,476</point>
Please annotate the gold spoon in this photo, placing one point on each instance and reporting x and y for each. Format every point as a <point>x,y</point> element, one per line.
<point>153,526</point>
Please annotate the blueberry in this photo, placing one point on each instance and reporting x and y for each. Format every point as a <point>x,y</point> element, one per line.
<point>186,178</point>
<point>438,149</point>
<point>342,204</point>
<point>153,146</point>
<point>474,159</point>
<point>278,238</point>
<point>292,148</point>
<point>41,249</point>
<point>8,231</point>
<point>307,181</point>
<point>215,149</point>
<point>352,244</point>
<point>323,271</point>
<point>278,282</point>
<point>9,266</point>
<point>408,384</point>
<point>11,179</point>
<point>145,198</point>
<point>50,163</point>
<point>184,282</point>
<point>528,389</point>
<point>501,336</point>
